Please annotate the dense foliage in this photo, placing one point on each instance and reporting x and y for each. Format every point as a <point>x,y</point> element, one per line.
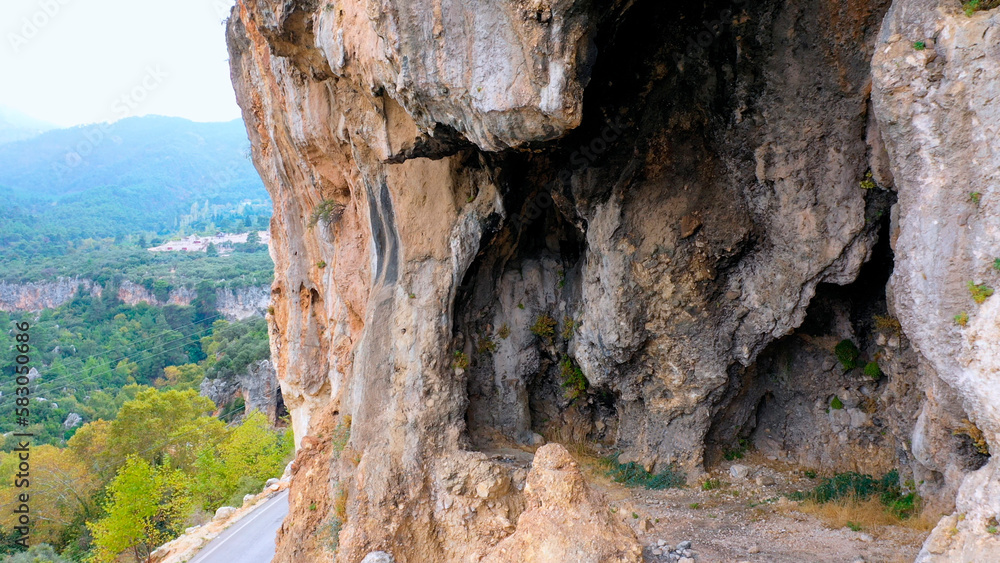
<point>92,352</point>
<point>126,453</point>
<point>235,346</point>
<point>121,488</point>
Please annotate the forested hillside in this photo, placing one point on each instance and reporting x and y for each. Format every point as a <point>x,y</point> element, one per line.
<point>125,452</point>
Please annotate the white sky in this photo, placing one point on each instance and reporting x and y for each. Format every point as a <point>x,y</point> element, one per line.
<point>165,58</point>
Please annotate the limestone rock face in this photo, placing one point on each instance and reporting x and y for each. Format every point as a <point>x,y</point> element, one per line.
<point>636,226</point>
<point>232,304</point>
<point>258,386</point>
<point>939,111</point>
<point>42,295</point>
<point>564,520</point>
<point>498,73</point>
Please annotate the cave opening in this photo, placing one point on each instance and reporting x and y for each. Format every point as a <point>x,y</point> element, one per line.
<point>816,398</point>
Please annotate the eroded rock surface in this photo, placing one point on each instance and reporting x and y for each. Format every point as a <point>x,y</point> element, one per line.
<point>232,303</point>
<point>629,225</point>
<point>257,386</point>
<point>564,520</point>
<point>939,110</point>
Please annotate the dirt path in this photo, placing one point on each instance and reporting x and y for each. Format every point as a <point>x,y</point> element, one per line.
<point>749,520</point>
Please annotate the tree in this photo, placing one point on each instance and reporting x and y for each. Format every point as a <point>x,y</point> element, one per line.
<point>187,376</point>
<point>61,492</point>
<point>146,507</point>
<point>235,346</point>
<point>250,454</point>
<point>211,250</point>
<point>41,553</point>
<point>90,446</point>
<point>164,427</point>
<point>253,238</point>
<point>204,301</point>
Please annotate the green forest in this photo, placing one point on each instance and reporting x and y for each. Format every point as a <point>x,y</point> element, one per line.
<point>115,410</point>
<point>125,454</point>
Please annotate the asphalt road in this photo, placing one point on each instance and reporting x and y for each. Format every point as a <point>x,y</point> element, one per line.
<point>251,540</point>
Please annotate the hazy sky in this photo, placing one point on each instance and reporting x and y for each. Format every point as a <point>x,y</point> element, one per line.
<point>72,62</point>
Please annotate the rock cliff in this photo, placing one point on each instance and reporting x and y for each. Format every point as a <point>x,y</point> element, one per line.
<point>638,225</point>
<point>43,295</point>
<point>232,303</point>
<point>258,387</point>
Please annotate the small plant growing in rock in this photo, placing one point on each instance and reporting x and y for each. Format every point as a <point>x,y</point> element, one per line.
<point>321,264</point>
<point>504,331</point>
<point>486,345</point>
<point>809,473</point>
<point>857,487</point>
<point>520,306</point>
<point>873,370</point>
<point>868,183</point>
<point>694,505</point>
<point>312,506</point>
<point>569,325</point>
<point>461,360</point>
<point>340,503</point>
<point>996,264</point>
<point>992,526</point>
<point>886,323</point>
<point>632,474</point>
<point>980,292</point>
<point>973,6</point>
<point>572,378</point>
<point>962,319</point>
<point>854,526</point>
<point>328,211</point>
<point>836,404</point>
<point>412,296</point>
<point>968,428</point>
<point>270,310</point>
<point>742,445</point>
<point>919,45</point>
<point>330,533</point>
<point>544,327</point>
<point>341,435</point>
<point>711,484</point>
<point>847,354</point>
<point>975,197</point>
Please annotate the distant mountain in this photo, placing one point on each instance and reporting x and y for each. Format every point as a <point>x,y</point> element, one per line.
<point>184,158</point>
<point>16,126</point>
<point>142,174</point>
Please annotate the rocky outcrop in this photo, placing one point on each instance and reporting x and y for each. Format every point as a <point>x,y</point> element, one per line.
<point>258,387</point>
<point>242,303</point>
<point>936,76</point>
<point>564,519</point>
<point>43,295</point>
<point>132,294</point>
<point>231,303</point>
<point>630,225</point>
